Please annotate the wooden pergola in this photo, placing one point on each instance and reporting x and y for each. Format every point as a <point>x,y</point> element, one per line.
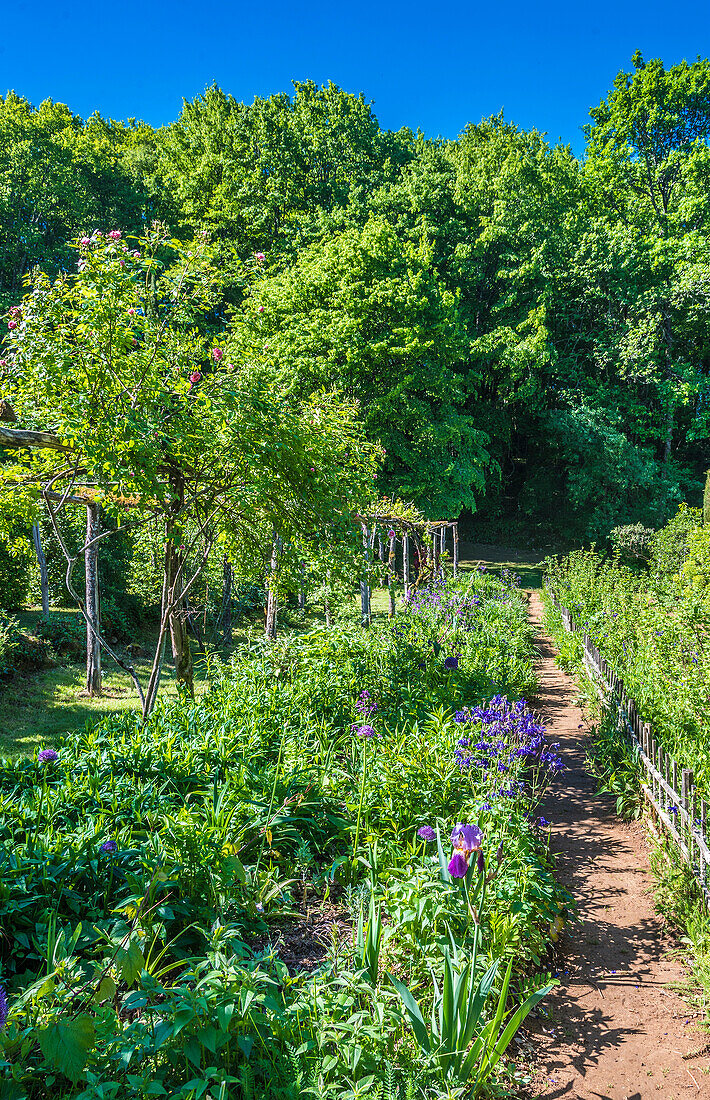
<point>429,538</point>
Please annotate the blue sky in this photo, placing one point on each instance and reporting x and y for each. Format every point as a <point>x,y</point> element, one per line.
<point>428,66</point>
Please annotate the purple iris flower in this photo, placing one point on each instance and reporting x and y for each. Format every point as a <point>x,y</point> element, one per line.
<point>426,832</point>
<point>47,756</point>
<point>466,838</point>
<point>4,1008</point>
<point>458,865</point>
<point>109,846</point>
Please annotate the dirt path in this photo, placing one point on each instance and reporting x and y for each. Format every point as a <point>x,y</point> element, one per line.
<point>615,1031</point>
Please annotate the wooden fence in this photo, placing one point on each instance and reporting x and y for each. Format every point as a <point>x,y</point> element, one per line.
<point>669,789</point>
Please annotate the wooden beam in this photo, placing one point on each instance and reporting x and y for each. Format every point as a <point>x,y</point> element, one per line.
<point>22,437</point>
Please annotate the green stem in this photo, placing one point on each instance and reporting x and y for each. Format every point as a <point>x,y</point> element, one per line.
<point>362,797</point>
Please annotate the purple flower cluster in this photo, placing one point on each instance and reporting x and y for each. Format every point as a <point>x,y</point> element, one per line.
<point>109,846</point>
<point>426,832</point>
<point>459,609</point>
<point>47,756</point>
<point>365,731</point>
<point>4,1008</point>
<point>508,731</point>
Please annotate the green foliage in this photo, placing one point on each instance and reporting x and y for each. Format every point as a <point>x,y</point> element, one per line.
<point>632,542</point>
<point>652,627</point>
<point>153,967</point>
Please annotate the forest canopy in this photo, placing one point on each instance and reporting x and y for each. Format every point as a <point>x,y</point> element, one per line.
<point>525,331</point>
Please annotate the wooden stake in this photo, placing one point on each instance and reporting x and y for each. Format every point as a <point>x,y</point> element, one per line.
<point>405,565</point>
<point>272,595</point>
<point>364,584</point>
<point>91,561</point>
<point>43,572</point>
<point>456,549</point>
<point>390,576</point>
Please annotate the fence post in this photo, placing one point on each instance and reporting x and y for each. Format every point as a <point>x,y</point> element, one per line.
<point>405,564</point>
<point>456,549</point>
<point>686,800</point>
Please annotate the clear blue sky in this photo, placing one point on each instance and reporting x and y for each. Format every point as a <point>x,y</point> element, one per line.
<point>432,66</point>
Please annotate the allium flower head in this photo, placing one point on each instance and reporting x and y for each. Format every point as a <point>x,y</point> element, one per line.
<point>109,846</point>
<point>47,756</point>
<point>451,662</point>
<point>365,731</point>
<point>426,832</point>
<point>4,1008</point>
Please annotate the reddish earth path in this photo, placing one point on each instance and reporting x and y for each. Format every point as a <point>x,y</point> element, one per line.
<point>615,1032</point>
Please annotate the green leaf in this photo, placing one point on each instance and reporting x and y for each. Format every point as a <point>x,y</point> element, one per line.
<point>66,1045</point>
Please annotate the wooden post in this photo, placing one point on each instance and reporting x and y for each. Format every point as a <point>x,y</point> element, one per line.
<point>364,583</point>
<point>272,595</point>
<point>43,572</point>
<point>456,549</point>
<point>435,553</point>
<point>686,799</point>
<point>91,561</point>
<point>405,565</point>
<point>301,587</point>
<point>442,550</point>
<point>227,600</point>
<point>390,575</point>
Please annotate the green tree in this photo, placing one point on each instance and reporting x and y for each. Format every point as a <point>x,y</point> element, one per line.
<point>124,402</point>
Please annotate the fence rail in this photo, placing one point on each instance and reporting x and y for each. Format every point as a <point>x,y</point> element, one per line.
<point>668,788</point>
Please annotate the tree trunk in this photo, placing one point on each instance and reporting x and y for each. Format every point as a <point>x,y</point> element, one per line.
<point>91,556</point>
<point>227,600</point>
<point>670,423</point>
<point>43,573</point>
<point>177,622</point>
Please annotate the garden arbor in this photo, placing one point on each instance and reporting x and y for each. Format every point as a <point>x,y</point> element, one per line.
<point>422,545</point>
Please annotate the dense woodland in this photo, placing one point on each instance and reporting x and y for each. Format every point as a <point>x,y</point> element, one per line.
<point>526,330</point>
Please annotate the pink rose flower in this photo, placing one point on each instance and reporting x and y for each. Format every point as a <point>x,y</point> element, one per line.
<point>115,235</point>
<point>195,377</point>
<point>261,309</point>
<point>217,354</point>
<point>12,324</point>
<point>260,257</point>
<point>85,241</point>
<point>131,313</point>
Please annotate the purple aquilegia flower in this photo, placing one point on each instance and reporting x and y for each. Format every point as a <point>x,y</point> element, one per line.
<point>4,1008</point>
<point>109,846</point>
<point>365,731</point>
<point>47,756</point>
<point>451,662</point>
<point>426,832</point>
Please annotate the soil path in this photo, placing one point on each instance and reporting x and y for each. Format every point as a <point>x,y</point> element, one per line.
<point>615,1032</point>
